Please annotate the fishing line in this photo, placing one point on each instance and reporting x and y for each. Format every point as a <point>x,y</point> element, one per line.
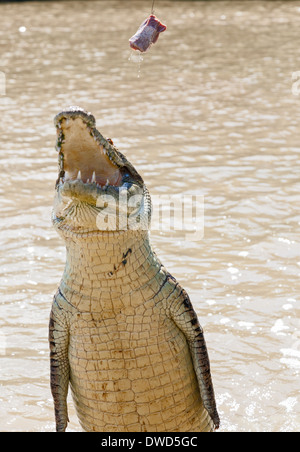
<point>152,9</point>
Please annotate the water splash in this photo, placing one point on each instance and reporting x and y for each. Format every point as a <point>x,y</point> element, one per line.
<point>136,58</point>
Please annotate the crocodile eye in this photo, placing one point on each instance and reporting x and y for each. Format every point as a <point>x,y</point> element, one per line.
<point>110,141</point>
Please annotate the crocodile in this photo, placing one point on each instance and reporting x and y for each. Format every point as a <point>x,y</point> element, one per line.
<point>123,333</point>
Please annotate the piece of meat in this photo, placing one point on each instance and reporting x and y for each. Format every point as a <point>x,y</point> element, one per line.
<point>147,34</point>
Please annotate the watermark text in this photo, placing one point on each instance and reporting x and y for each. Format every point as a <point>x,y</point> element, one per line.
<point>296,83</point>
<point>182,214</point>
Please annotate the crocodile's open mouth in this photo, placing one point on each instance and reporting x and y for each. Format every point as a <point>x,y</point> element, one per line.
<point>96,182</point>
<point>84,154</point>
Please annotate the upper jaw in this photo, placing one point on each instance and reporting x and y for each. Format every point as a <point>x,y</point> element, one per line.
<point>84,154</point>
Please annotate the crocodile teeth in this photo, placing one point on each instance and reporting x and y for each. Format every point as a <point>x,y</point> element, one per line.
<point>94,177</point>
<point>79,175</point>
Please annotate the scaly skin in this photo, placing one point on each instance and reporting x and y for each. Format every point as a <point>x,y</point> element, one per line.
<point>123,333</point>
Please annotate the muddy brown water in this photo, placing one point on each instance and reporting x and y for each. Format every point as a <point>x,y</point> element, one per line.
<point>212,111</point>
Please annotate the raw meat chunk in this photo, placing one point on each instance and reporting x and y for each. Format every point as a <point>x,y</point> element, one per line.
<point>147,34</point>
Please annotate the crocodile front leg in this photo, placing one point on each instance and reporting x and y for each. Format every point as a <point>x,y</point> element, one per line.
<point>59,365</point>
<point>186,319</point>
